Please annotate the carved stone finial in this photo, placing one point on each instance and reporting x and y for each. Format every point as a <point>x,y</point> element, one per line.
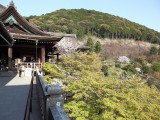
<point>56,98</point>
<point>11,3</point>
<point>54,90</point>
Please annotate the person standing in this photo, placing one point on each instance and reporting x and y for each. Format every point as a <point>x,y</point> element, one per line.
<point>21,69</point>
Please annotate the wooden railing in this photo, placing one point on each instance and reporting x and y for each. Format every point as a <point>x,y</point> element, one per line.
<point>32,65</point>
<point>29,102</point>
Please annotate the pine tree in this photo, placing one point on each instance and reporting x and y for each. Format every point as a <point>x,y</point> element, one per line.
<point>90,44</point>
<point>98,47</point>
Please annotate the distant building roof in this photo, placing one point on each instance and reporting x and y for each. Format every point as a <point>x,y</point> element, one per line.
<point>2,8</point>
<point>61,34</point>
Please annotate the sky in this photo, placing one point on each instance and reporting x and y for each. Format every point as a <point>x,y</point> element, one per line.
<point>144,12</point>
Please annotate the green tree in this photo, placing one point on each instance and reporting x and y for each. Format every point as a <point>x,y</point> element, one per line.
<point>146,69</point>
<point>156,66</point>
<point>90,44</point>
<point>105,70</point>
<point>130,68</point>
<point>89,95</point>
<point>91,22</point>
<point>51,72</point>
<point>98,47</point>
<point>154,51</point>
<point>93,97</point>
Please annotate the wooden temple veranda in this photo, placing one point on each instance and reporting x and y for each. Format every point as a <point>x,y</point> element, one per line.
<point>22,42</point>
<point>27,97</point>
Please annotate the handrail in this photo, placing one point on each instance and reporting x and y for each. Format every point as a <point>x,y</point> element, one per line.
<point>51,100</point>
<point>29,102</point>
<point>32,65</point>
<point>43,95</point>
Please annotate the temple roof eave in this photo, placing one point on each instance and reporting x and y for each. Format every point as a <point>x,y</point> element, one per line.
<point>31,28</point>
<point>5,35</point>
<point>35,37</point>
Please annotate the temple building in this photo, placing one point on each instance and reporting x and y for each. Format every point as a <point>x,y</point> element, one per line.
<point>22,42</point>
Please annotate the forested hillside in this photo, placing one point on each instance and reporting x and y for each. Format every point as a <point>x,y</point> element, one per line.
<point>89,22</point>
<point>96,89</point>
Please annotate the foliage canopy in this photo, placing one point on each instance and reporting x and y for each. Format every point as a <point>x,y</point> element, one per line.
<point>154,51</point>
<point>90,22</point>
<point>90,95</point>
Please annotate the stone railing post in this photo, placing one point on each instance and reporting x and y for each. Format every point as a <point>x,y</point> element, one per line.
<point>51,100</point>
<point>55,102</point>
<point>56,98</point>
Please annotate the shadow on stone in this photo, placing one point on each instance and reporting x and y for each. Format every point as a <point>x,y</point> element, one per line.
<point>6,76</point>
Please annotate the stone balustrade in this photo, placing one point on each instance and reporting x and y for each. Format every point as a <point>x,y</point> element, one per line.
<point>51,100</point>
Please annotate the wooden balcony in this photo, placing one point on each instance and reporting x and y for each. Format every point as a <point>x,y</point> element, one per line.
<point>33,65</point>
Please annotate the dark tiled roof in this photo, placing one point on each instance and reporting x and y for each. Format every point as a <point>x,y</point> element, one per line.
<point>11,10</point>
<point>2,8</point>
<point>61,34</point>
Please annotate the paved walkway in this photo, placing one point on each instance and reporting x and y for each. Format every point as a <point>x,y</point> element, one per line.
<point>36,110</point>
<point>5,77</point>
<point>13,95</point>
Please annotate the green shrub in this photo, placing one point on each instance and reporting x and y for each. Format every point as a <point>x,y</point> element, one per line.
<point>104,58</point>
<point>153,51</point>
<point>146,69</point>
<point>156,66</point>
<point>98,47</point>
<point>153,58</point>
<point>51,72</point>
<point>137,65</point>
<point>151,81</point>
<point>118,65</point>
<point>142,60</point>
<point>130,68</point>
<point>105,70</point>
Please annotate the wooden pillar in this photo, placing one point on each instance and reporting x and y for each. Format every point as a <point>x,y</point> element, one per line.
<point>58,57</point>
<point>43,55</point>
<point>10,57</point>
<point>3,55</point>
